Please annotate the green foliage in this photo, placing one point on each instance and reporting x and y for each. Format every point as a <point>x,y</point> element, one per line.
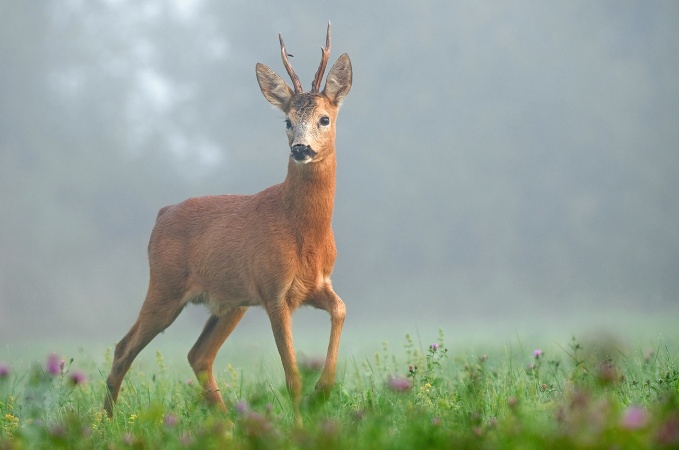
<point>590,395</point>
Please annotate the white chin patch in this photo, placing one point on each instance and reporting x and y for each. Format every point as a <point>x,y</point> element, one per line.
<point>306,160</point>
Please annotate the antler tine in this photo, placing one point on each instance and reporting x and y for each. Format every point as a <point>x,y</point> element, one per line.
<point>288,67</point>
<point>325,53</point>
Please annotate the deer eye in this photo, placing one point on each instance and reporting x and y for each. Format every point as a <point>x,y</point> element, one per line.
<point>288,124</point>
<point>325,121</point>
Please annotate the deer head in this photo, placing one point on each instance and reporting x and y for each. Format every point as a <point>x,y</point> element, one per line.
<point>309,116</point>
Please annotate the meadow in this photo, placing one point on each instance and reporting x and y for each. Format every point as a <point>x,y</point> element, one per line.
<point>411,394</point>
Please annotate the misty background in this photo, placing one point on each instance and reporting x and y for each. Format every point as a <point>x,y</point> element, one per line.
<point>501,163</point>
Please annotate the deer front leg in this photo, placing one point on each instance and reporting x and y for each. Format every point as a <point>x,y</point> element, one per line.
<point>281,324</point>
<point>329,301</point>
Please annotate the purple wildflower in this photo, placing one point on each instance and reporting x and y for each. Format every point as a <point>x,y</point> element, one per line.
<point>412,370</point>
<point>57,431</point>
<point>241,407</point>
<point>257,425</point>
<point>434,346</point>
<point>668,434</point>
<point>54,364</point>
<point>634,417</point>
<point>537,353</point>
<point>608,374</point>
<point>128,439</point>
<point>77,378</point>
<point>398,384</point>
<point>330,427</point>
<point>186,439</point>
<point>648,356</point>
<point>4,371</point>
<point>170,420</point>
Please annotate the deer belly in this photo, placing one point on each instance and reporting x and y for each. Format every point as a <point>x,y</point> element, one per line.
<point>219,307</point>
<point>219,303</point>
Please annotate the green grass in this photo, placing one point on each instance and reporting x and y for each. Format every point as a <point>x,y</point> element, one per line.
<point>598,394</point>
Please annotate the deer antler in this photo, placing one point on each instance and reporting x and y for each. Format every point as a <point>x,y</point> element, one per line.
<point>288,67</point>
<point>325,53</point>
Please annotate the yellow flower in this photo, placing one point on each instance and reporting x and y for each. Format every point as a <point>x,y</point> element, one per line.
<point>99,418</point>
<point>12,422</point>
<point>133,417</point>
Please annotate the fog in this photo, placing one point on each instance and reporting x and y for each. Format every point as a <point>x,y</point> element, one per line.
<point>501,164</point>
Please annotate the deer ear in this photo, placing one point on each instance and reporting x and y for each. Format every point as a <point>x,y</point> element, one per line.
<point>273,87</point>
<point>338,83</point>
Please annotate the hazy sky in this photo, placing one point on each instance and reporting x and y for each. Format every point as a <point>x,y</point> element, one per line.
<point>495,158</point>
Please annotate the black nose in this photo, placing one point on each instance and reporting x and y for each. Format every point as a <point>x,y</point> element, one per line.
<point>300,152</point>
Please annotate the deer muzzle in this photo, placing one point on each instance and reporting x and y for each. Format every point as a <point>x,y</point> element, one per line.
<point>302,153</point>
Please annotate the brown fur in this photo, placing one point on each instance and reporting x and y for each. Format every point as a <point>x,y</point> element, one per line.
<point>273,249</point>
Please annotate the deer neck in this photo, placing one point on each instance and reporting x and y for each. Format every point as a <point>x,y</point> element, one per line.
<point>308,196</point>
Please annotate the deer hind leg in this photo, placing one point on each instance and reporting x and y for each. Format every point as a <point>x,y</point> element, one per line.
<point>280,316</point>
<point>204,352</point>
<point>329,301</point>
<point>154,317</point>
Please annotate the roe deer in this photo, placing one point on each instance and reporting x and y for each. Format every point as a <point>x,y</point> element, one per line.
<point>274,249</point>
